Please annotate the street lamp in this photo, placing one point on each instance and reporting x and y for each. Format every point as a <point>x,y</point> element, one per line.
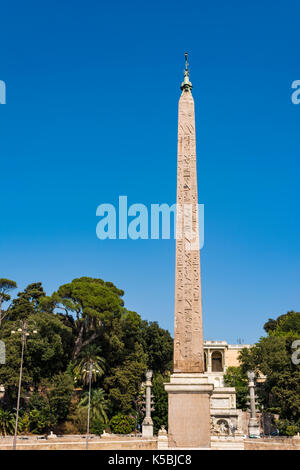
<point>253,426</point>
<point>90,371</point>
<point>24,330</point>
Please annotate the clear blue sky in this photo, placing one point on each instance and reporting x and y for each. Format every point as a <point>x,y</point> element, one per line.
<point>91,114</point>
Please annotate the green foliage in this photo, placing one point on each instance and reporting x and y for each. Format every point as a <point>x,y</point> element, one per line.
<point>287,428</point>
<point>84,322</point>
<point>236,377</point>
<point>270,325</point>
<point>27,302</point>
<point>292,430</point>
<point>159,346</point>
<point>89,358</point>
<point>160,413</point>
<point>6,285</point>
<point>94,303</point>
<point>78,423</point>
<point>46,353</point>
<point>122,424</point>
<point>125,379</point>
<point>272,357</point>
<point>99,405</point>
<point>287,324</point>
<point>59,393</point>
<point>39,421</point>
<point>79,420</point>
<point>7,422</point>
<point>39,402</point>
<point>97,427</point>
<point>50,406</point>
<point>24,422</point>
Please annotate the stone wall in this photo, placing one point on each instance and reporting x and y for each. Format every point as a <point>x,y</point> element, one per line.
<point>115,443</point>
<point>274,443</point>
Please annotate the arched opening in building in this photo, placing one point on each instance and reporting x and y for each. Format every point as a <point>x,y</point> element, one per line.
<point>216,362</point>
<point>205,362</point>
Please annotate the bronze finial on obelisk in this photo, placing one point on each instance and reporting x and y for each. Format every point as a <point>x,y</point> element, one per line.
<point>188,391</point>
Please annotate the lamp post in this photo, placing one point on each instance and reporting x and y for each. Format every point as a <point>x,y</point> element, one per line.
<point>253,427</point>
<point>90,371</point>
<point>147,428</point>
<point>24,330</point>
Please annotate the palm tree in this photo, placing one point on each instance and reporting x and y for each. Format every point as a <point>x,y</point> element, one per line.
<point>7,422</point>
<point>89,359</point>
<point>98,404</point>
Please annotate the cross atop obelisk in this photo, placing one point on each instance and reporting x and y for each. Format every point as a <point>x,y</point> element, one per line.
<point>188,344</point>
<point>188,390</point>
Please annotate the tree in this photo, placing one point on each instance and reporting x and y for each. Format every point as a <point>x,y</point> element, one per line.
<point>89,357</point>
<point>285,428</point>
<point>84,323</point>
<point>235,377</point>
<point>94,303</point>
<point>37,419</point>
<point>7,422</point>
<point>99,405</point>
<point>272,356</point>
<point>159,346</point>
<point>124,382</point>
<point>284,324</point>
<point>47,353</point>
<point>122,424</point>
<point>27,302</point>
<point>270,325</point>
<point>160,413</point>
<point>6,285</point>
<point>58,392</point>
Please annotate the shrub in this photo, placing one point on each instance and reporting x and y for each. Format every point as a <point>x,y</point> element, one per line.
<point>24,423</point>
<point>287,428</point>
<point>291,430</point>
<point>7,422</point>
<point>39,421</point>
<point>79,420</point>
<point>97,427</point>
<point>122,424</point>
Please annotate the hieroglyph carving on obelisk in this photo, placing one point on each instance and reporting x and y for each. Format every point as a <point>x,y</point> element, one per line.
<point>188,334</point>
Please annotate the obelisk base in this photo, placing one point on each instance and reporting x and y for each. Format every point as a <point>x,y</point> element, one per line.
<point>189,410</point>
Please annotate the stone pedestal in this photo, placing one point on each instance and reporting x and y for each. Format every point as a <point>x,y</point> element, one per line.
<point>162,439</point>
<point>189,410</point>
<point>147,428</point>
<point>253,428</point>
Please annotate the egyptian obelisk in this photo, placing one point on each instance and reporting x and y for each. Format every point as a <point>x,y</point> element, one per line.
<point>188,390</point>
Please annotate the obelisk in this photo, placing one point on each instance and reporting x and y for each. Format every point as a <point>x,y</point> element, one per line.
<point>188,390</point>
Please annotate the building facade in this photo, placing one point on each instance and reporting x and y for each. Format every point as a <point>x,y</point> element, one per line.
<point>218,356</point>
<point>225,417</point>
